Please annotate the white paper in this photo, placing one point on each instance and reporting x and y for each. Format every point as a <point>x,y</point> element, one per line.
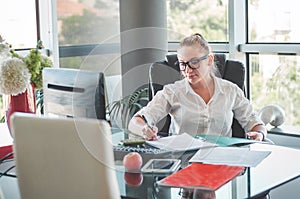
<point>233,156</point>
<point>182,142</point>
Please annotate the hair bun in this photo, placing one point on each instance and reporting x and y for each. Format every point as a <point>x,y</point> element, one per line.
<point>198,35</point>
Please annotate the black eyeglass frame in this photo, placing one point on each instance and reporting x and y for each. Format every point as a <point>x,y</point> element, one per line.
<point>196,62</point>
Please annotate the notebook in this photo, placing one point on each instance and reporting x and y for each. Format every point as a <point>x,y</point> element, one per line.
<point>234,156</point>
<point>181,142</point>
<point>202,176</point>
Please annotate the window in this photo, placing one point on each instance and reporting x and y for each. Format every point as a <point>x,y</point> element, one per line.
<point>18,28</point>
<point>83,24</point>
<point>275,67</point>
<point>208,18</point>
<point>274,21</point>
<point>88,34</point>
<point>18,23</point>
<point>275,80</point>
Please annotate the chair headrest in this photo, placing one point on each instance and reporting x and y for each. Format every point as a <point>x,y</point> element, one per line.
<point>171,59</point>
<point>220,62</point>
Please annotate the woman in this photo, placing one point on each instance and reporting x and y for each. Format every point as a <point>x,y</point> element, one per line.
<point>201,102</point>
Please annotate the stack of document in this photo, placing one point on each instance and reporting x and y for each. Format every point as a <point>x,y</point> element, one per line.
<point>210,153</point>
<point>182,142</point>
<point>234,156</point>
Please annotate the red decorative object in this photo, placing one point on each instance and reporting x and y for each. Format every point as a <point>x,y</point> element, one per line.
<point>5,150</point>
<point>25,102</point>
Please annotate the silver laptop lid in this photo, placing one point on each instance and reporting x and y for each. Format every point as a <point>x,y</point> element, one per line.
<point>63,158</point>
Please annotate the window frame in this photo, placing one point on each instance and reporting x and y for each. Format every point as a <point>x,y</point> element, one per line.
<point>238,46</point>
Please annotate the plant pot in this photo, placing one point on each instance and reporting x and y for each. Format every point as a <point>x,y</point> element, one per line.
<point>24,102</point>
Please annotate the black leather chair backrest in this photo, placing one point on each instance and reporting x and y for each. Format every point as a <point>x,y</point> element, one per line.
<point>166,72</point>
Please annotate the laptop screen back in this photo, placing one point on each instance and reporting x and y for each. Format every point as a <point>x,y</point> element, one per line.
<point>63,157</point>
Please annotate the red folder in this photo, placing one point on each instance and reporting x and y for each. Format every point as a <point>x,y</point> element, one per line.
<point>206,176</point>
<point>5,150</point>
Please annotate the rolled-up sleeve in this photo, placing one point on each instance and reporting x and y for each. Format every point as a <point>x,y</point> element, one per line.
<point>158,107</point>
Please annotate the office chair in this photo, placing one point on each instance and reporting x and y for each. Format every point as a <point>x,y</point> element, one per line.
<point>63,158</point>
<point>166,72</point>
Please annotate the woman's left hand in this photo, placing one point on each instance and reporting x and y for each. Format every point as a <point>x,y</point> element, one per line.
<point>253,135</point>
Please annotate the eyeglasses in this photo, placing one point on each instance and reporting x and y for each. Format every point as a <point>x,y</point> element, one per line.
<point>192,64</point>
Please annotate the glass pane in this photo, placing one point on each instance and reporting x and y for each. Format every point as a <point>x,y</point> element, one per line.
<point>18,23</point>
<point>274,21</point>
<point>275,80</point>
<point>87,22</point>
<point>208,18</point>
<point>109,64</point>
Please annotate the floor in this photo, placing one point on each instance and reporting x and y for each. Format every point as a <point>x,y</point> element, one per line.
<point>290,190</point>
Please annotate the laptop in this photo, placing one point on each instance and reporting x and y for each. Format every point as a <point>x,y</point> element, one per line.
<point>63,157</point>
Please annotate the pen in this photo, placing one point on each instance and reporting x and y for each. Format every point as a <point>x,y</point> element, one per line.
<point>146,121</point>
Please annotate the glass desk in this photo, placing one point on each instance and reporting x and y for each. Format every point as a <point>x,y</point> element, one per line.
<point>280,167</point>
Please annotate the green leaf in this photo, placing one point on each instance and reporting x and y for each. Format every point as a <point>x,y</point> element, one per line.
<point>127,106</point>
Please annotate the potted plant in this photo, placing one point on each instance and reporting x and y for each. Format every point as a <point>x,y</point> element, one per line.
<point>126,107</point>
<point>21,76</point>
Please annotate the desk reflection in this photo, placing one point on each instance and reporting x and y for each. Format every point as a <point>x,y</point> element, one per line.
<point>140,185</point>
<point>197,194</point>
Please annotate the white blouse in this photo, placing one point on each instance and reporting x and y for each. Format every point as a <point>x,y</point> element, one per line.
<point>189,113</point>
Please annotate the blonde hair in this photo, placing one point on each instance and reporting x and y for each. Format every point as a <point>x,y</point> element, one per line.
<point>198,40</point>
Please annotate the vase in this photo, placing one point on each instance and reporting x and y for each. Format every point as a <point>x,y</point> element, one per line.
<point>24,102</point>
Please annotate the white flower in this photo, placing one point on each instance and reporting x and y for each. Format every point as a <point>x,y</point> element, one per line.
<point>4,52</point>
<point>14,76</point>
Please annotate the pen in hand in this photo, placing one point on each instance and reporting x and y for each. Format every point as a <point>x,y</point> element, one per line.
<point>153,136</point>
<point>146,121</point>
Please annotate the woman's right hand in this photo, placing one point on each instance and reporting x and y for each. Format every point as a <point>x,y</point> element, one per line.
<point>150,133</point>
